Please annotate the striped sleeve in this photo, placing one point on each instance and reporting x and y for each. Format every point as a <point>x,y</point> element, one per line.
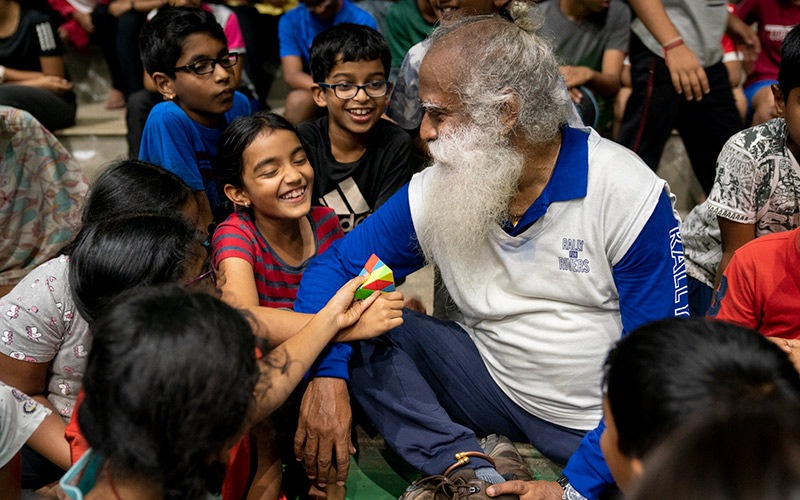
<point>232,239</point>
<point>277,285</point>
<point>328,228</point>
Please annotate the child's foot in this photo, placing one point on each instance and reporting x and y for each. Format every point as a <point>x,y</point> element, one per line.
<point>116,100</point>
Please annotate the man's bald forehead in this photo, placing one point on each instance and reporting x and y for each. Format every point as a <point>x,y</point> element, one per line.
<point>464,37</point>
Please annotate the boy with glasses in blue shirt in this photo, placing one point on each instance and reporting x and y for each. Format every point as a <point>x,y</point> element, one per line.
<point>185,51</point>
<point>359,159</point>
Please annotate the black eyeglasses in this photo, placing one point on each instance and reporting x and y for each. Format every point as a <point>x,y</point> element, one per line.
<point>207,66</point>
<point>212,273</point>
<point>350,90</point>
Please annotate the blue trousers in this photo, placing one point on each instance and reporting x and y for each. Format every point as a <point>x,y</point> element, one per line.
<point>426,389</point>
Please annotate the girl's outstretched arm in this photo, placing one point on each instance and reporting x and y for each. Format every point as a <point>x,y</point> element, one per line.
<point>283,368</point>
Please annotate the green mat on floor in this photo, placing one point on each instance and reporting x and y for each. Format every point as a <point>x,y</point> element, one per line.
<point>380,474</point>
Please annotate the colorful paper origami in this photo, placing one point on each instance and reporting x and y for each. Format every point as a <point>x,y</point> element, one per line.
<point>380,278</point>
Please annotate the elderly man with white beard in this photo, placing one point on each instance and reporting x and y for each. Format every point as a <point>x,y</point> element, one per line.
<point>552,241</point>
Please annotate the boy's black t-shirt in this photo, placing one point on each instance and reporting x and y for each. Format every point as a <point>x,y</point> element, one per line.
<point>355,190</point>
<point>34,38</point>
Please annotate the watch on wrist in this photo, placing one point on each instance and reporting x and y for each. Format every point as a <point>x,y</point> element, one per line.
<point>568,492</point>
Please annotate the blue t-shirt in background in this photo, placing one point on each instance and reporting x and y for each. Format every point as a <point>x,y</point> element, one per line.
<point>184,147</point>
<point>298,27</point>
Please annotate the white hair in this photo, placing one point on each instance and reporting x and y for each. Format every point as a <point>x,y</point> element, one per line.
<point>506,61</point>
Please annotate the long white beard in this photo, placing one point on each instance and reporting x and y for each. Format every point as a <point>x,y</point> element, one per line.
<point>475,176</point>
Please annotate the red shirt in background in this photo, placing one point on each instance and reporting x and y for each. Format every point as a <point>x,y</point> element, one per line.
<point>775,19</point>
<point>760,288</point>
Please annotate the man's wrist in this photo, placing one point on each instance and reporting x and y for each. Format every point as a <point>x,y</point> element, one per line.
<point>567,491</point>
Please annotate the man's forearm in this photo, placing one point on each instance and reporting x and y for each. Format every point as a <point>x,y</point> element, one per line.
<point>604,83</point>
<point>299,80</point>
<point>655,19</point>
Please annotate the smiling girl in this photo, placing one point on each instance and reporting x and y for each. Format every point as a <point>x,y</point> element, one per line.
<point>263,248</point>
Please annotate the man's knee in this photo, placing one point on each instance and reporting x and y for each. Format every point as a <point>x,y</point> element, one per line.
<point>300,106</point>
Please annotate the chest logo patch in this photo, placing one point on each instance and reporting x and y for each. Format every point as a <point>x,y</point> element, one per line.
<point>573,262</point>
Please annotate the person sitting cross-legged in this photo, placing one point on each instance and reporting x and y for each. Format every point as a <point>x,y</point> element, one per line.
<point>552,241</point>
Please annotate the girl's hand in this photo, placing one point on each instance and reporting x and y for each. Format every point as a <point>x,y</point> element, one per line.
<point>342,309</point>
<point>386,313</point>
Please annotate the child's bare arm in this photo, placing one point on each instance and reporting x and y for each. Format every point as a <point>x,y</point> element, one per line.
<point>733,235</point>
<point>688,75</point>
<point>238,286</point>
<point>605,82</point>
<point>31,378</point>
<point>283,368</point>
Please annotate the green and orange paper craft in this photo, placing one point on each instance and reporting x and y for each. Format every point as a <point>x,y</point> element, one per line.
<point>380,278</point>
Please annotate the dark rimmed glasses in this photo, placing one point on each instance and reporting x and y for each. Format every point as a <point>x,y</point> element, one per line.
<point>350,90</point>
<point>212,273</point>
<point>207,66</point>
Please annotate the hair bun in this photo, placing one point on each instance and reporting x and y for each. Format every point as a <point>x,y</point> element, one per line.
<point>526,15</point>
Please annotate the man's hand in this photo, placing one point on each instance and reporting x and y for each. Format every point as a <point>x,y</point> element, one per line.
<point>790,347</point>
<point>575,76</point>
<point>527,490</point>
<point>323,430</point>
<point>688,76</point>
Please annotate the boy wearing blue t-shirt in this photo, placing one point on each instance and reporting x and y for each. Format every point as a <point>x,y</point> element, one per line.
<point>296,30</point>
<point>185,52</point>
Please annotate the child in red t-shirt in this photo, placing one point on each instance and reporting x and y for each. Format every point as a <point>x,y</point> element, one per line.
<point>760,288</point>
<point>775,19</point>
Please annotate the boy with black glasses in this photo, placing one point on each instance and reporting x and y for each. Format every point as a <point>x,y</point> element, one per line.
<point>185,52</point>
<point>359,159</point>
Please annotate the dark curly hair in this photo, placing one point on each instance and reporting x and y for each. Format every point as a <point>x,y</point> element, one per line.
<point>665,372</point>
<point>118,254</point>
<point>351,42</point>
<point>168,382</point>
<point>130,187</point>
<point>235,139</point>
<point>161,39</point>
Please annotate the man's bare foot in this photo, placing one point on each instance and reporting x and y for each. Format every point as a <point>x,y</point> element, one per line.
<point>116,100</point>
